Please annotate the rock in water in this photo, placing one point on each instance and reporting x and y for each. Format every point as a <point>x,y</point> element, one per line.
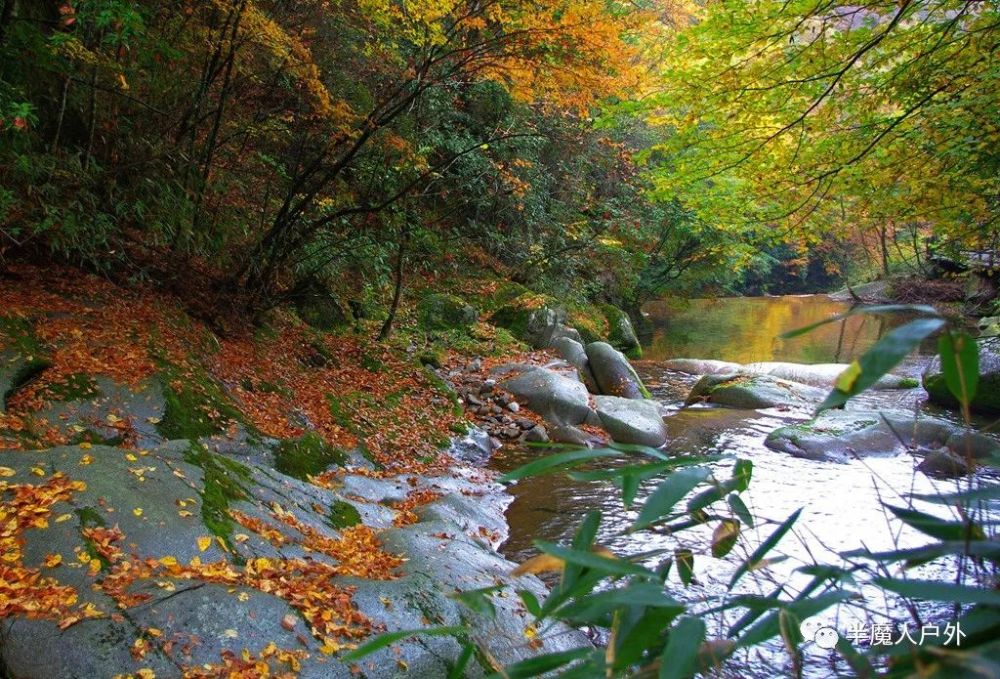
<point>751,392</point>
<point>614,374</point>
<point>559,399</point>
<point>987,398</point>
<point>839,436</point>
<point>629,420</point>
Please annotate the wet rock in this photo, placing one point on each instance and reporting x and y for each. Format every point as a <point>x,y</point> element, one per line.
<point>637,421</point>
<point>839,436</point>
<point>613,373</point>
<point>558,399</point>
<point>698,366</point>
<point>751,392</point>
<point>943,463</point>
<point>987,397</point>
<point>571,435</point>
<point>822,375</point>
<point>536,435</point>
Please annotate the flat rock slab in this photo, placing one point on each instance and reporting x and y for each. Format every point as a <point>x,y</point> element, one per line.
<point>557,398</point>
<point>839,436</point>
<point>627,420</point>
<point>162,501</point>
<point>813,374</point>
<point>753,392</point>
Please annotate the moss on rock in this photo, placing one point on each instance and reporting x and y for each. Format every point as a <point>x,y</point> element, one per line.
<point>343,515</point>
<point>306,456</point>
<point>439,311</point>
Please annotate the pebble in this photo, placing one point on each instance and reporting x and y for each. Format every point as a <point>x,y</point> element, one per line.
<point>513,406</point>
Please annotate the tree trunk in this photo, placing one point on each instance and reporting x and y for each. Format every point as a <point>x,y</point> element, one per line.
<point>383,334</point>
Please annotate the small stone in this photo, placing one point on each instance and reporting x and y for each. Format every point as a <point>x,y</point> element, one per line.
<point>483,410</point>
<point>495,442</point>
<point>524,423</point>
<point>513,407</point>
<point>536,435</point>
<point>511,432</point>
<point>495,409</point>
<point>473,400</point>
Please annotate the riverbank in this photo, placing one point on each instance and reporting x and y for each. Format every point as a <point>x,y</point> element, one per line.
<point>177,502</point>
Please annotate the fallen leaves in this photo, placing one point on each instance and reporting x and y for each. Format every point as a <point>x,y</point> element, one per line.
<point>24,590</point>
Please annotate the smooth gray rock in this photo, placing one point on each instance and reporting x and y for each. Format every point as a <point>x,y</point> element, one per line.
<point>816,375</point>
<point>839,436</point>
<point>559,399</point>
<point>571,435</point>
<point>614,374</point>
<point>451,549</point>
<point>753,392</point>
<point>573,352</point>
<point>630,420</point>
<point>702,366</point>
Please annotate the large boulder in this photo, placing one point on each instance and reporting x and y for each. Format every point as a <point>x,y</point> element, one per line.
<point>614,374</point>
<point>621,334</point>
<point>987,398</point>
<point>751,392</point>
<point>839,436</point>
<point>439,311</point>
<point>557,398</point>
<point>320,308</point>
<point>574,353</point>
<point>182,559</point>
<point>629,420</point>
<point>534,319</point>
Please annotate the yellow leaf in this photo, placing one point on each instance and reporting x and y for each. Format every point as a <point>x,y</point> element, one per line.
<point>845,381</point>
<point>7,471</point>
<point>53,560</point>
<point>86,445</point>
<point>543,563</point>
<point>37,471</point>
<point>145,673</point>
<point>137,511</point>
<point>131,458</point>
<point>63,517</point>
<point>203,542</point>
<point>86,459</point>
<point>184,513</point>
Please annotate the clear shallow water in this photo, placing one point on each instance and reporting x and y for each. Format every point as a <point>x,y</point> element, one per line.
<point>841,503</point>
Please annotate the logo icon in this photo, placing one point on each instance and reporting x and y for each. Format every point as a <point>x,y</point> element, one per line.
<point>822,635</point>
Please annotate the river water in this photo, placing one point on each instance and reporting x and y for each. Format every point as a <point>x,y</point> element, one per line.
<point>841,503</point>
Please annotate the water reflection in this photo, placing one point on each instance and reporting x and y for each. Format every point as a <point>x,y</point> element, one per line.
<point>746,329</point>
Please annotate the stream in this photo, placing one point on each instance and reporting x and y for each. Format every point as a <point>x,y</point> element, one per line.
<point>842,503</point>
